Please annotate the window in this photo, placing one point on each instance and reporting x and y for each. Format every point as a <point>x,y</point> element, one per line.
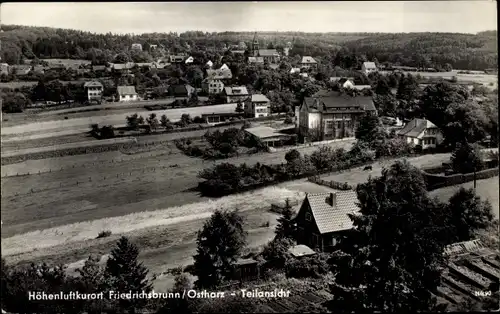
<point>308,217</point>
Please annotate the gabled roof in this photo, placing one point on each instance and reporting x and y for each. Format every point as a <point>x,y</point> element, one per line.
<point>268,52</point>
<point>274,66</point>
<point>219,74</point>
<point>224,67</point>
<point>339,78</point>
<point>236,90</point>
<point>123,66</point>
<point>259,98</point>
<point>369,65</point>
<point>93,84</point>
<point>361,87</point>
<point>126,90</point>
<point>209,63</point>
<point>308,60</point>
<point>333,100</point>
<point>344,80</point>
<point>333,218</point>
<point>301,250</point>
<point>415,127</point>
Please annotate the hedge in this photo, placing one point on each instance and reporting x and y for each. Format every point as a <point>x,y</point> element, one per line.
<point>331,184</point>
<point>435,181</point>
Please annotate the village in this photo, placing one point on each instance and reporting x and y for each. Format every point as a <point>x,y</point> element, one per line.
<point>247,162</point>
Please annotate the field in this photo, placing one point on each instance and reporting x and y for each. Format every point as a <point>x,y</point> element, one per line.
<point>18,84</point>
<point>77,124</point>
<point>67,61</point>
<point>486,189</point>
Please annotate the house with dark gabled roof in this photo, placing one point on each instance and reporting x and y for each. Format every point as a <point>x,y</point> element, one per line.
<point>323,219</point>
<point>331,115</point>
<point>308,62</point>
<point>181,90</point>
<point>421,132</point>
<point>368,67</point>
<point>126,93</point>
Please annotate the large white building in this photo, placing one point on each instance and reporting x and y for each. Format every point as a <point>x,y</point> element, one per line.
<point>257,106</point>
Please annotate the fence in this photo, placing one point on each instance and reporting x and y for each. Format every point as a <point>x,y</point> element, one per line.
<point>331,184</point>
<point>435,181</point>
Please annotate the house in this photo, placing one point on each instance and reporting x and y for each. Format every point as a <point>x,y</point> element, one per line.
<point>236,94</point>
<point>308,62</point>
<point>295,70</point>
<point>368,67</point>
<point>246,269</point>
<point>242,45</point>
<point>176,59</point>
<point>181,91</point>
<point>123,68</point>
<point>126,93</point>
<point>99,68</point>
<point>224,67</point>
<point>212,86</point>
<point>421,132</point>
<point>268,55</point>
<point>215,118</point>
<point>343,82</point>
<point>361,87</point>
<point>256,60</point>
<point>332,115</point>
<point>4,69</point>
<point>209,64</point>
<point>257,106</point>
<point>136,47</point>
<point>153,47</point>
<point>93,90</point>
<point>189,60</point>
<point>20,70</point>
<point>238,52</point>
<point>323,219</point>
<point>219,74</point>
<point>269,136</point>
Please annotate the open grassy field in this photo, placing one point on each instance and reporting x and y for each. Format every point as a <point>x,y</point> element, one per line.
<point>79,123</point>
<point>110,185</point>
<point>486,189</point>
<point>17,84</point>
<point>67,61</point>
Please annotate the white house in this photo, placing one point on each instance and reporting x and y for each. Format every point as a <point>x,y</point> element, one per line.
<point>257,106</point>
<point>421,132</point>
<point>94,90</point>
<point>209,64</point>
<point>126,93</point>
<point>224,67</point>
<point>294,70</point>
<point>189,60</point>
<point>212,86</point>
<point>308,62</point>
<point>136,47</point>
<point>368,67</point>
<point>236,94</point>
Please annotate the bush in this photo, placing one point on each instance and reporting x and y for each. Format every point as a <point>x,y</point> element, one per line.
<point>312,266</point>
<point>104,234</point>
<point>276,252</point>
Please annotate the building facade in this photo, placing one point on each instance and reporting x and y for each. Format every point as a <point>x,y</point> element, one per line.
<point>236,94</point>
<point>332,117</point>
<point>257,106</point>
<point>212,86</point>
<point>368,67</point>
<point>421,132</point>
<point>126,93</point>
<point>93,90</point>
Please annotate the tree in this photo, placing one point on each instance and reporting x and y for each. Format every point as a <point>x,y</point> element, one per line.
<point>292,155</point>
<point>122,58</point>
<point>134,121</point>
<point>465,122</point>
<point>185,120</point>
<point>239,107</point>
<point>437,98</point>
<point>14,102</point>
<point>392,257</point>
<point>466,158</point>
<point>286,225</point>
<point>382,87</point>
<point>92,279</point>
<point>469,213</point>
<point>370,130</point>
<point>106,132</point>
<point>126,274</point>
<point>276,252</point>
<point>219,244</point>
<point>153,121</point>
<point>3,279</point>
<point>165,122</point>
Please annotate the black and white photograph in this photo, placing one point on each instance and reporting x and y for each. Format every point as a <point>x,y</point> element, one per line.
<point>249,157</point>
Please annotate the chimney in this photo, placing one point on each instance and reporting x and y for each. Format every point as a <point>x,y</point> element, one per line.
<point>332,200</point>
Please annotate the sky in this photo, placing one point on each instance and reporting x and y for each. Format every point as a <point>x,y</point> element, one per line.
<point>338,16</point>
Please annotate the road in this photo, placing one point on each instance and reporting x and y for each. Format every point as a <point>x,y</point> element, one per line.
<point>79,125</point>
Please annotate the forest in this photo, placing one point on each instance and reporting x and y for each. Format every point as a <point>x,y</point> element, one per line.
<point>461,51</point>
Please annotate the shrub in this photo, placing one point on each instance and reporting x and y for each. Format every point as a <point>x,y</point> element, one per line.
<point>104,234</point>
<point>276,252</point>
<point>312,266</point>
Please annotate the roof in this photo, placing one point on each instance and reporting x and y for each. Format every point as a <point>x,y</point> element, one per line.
<point>259,98</point>
<point>333,218</point>
<point>99,67</point>
<point>268,52</point>
<point>369,65</point>
<point>308,59</point>
<point>219,74</point>
<point>301,250</point>
<point>224,67</point>
<point>264,132</point>
<point>336,100</point>
<point>463,247</point>
<point>339,78</point>
<point>361,87</point>
<point>126,90</point>
<point>256,59</point>
<point>345,79</point>
<point>274,66</point>
<point>144,64</point>
<point>245,261</point>
<point>123,66</point>
<point>236,90</point>
<point>415,127</point>
<point>295,70</point>
<point>180,89</point>
<point>209,63</point>
<point>92,83</point>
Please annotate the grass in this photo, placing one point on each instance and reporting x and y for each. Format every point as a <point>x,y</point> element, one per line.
<point>18,84</point>
<point>86,230</point>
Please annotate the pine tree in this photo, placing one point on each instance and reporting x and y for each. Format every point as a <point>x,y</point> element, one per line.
<point>126,274</point>
<point>286,226</point>
<point>219,245</point>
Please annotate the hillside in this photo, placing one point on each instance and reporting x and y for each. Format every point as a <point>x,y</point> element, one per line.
<point>461,51</point>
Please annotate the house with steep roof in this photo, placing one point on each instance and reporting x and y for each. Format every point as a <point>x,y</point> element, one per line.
<point>181,91</point>
<point>236,94</point>
<point>257,106</point>
<point>93,90</point>
<point>126,93</point>
<point>331,115</point>
<point>368,67</point>
<point>256,60</point>
<point>209,64</point>
<point>136,46</point>
<point>421,132</point>
<point>294,70</point>
<point>308,62</point>
<point>268,55</point>
<point>323,219</point>
<point>189,60</point>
